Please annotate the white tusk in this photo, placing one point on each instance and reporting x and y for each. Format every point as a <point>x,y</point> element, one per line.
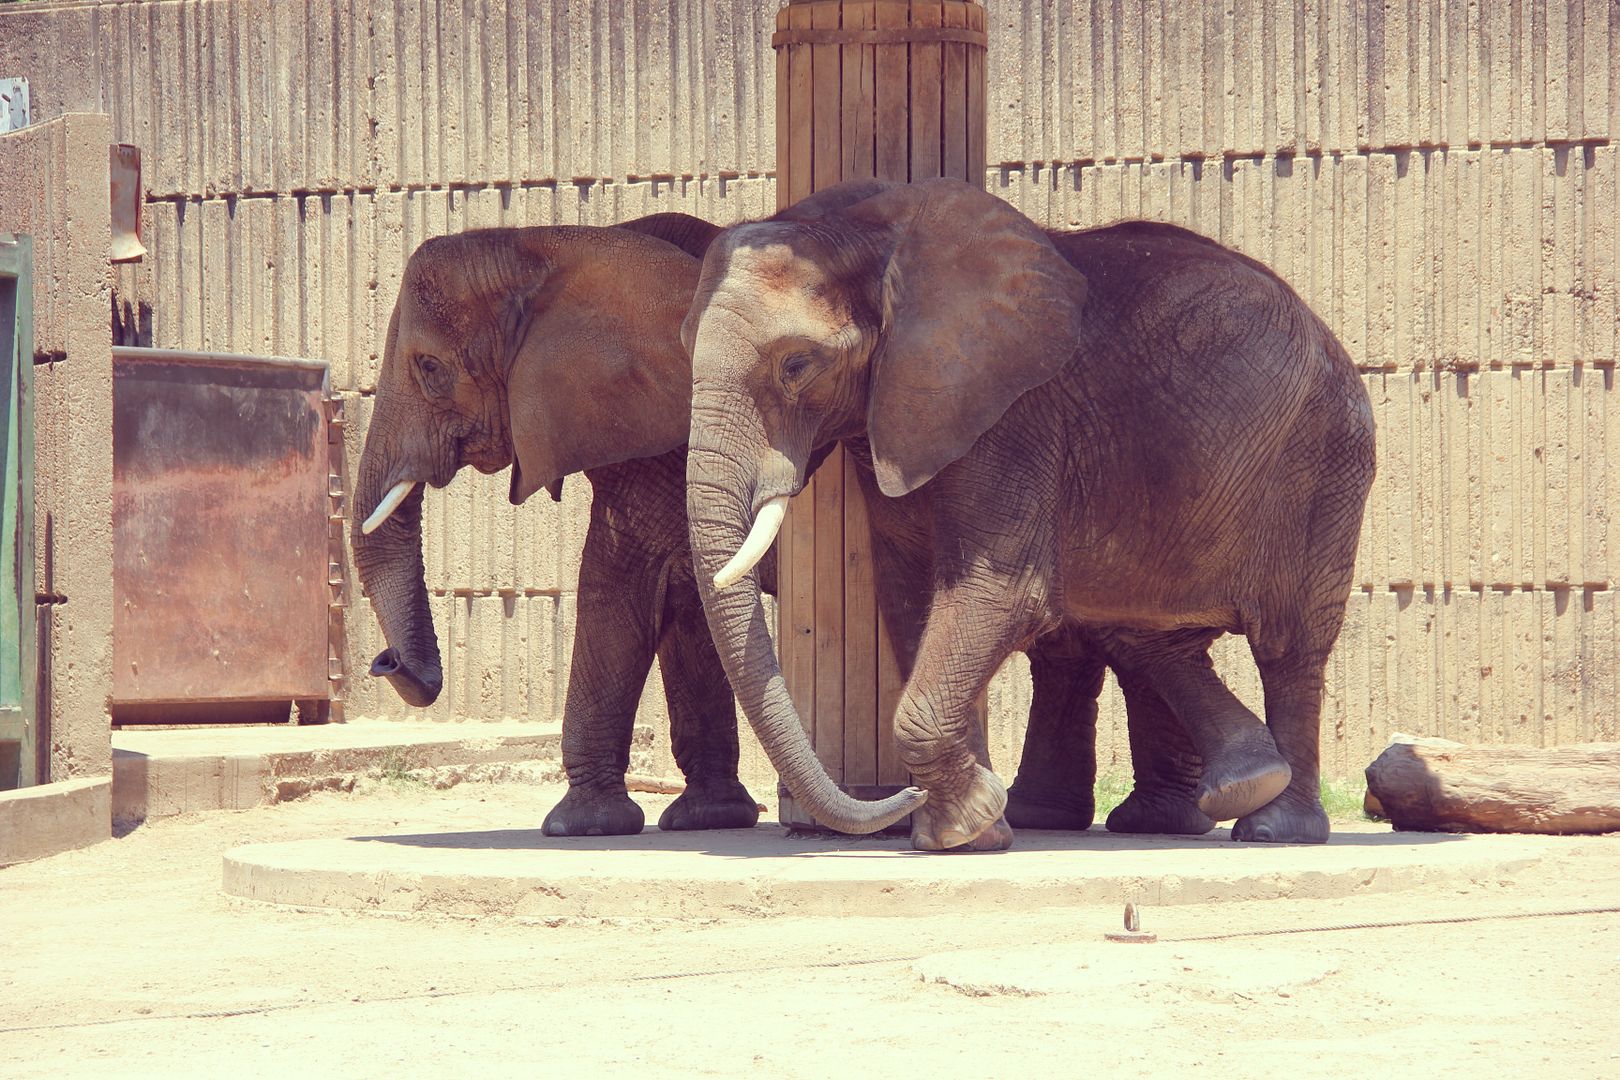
<point>390,503</point>
<point>758,543</point>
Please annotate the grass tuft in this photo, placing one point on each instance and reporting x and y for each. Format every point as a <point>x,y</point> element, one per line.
<point>395,768</point>
<point>1342,799</point>
<point>1112,787</point>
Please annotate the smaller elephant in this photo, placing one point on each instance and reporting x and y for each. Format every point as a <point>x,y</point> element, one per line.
<point>556,350</point>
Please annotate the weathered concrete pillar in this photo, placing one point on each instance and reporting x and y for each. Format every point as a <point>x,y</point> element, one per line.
<point>893,89</point>
<point>54,188</point>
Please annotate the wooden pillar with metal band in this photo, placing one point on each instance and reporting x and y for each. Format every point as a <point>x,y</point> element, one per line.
<point>893,89</point>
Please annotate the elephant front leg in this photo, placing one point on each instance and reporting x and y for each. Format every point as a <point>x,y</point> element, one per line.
<point>613,652</point>
<point>966,639</point>
<point>1057,774</point>
<point>702,724</point>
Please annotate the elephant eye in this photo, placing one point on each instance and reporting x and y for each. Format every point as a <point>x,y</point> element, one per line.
<point>794,367</point>
<point>434,373</point>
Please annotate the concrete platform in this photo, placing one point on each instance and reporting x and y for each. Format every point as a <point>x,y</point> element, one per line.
<point>764,872</point>
<point>39,821</point>
<point>176,771</point>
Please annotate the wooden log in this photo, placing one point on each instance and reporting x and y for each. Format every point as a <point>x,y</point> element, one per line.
<point>1435,785</point>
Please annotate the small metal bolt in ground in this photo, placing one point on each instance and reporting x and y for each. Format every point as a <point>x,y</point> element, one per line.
<point>1133,929</point>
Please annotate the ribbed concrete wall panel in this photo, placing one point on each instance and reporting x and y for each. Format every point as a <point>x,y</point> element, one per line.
<point>330,94</point>
<point>242,97</point>
<point>1092,80</point>
<point>1493,478</point>
<point>1448,259</point>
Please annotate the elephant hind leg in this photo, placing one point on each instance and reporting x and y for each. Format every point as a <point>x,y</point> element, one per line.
<point>1242,768</point>
<point>1292,648</point>
<point>702,722</point>
<point>1166,768</point>
<point>1293,691</point>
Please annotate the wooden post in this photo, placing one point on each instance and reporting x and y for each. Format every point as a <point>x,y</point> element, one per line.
<point>892,89</point>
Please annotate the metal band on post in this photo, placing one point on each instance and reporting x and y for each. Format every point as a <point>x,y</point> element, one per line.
<point>900,36</point>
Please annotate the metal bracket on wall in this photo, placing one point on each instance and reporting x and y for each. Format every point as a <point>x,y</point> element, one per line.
<point>336,632</point>
<point>14,113</point>
<point>124,178</point>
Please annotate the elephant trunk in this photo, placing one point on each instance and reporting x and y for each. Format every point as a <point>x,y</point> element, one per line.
<point>720,494</point>
<point>389,561</point>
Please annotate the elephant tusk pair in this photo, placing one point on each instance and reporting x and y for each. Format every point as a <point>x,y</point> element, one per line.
<point>766,524</point>
<point>385,509</point>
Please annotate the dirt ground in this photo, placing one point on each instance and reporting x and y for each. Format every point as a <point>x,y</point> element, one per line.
<point>126,960</point>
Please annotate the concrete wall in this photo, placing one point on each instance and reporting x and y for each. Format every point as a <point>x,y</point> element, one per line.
<point>53,186</point>
<point>1437,179</point>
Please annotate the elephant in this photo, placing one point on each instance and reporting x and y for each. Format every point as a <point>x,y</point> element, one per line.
<point>1129,436</point>
<point>556,350</point>
<point>504,348</point>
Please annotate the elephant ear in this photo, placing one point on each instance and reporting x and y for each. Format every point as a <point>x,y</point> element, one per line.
<point>978,307</point>
<point>597,371</point>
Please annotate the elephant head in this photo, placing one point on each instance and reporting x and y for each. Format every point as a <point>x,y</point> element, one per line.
<point>910,315</point>
<point>550,349</point>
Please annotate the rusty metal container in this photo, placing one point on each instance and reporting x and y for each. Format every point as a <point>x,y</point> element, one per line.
<point>222,574</point>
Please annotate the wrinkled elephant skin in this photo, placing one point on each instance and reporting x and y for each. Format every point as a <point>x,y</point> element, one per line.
<point>1108,446</point>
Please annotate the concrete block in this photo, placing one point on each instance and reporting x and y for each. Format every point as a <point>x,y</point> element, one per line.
<point>534,551</point>
<point>53,186</point>
<point>537,73</point>
<point>322,85</point>
<point>567,610</point>
<point>543,698</point>
<point>1600,682</point>
<point>38,822</point>
<point>216,249</point>
<point>575,86</point>
<point>416,96</point>
<point>457,97</point>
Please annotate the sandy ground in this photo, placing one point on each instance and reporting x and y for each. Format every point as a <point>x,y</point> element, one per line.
<point>126,960</point>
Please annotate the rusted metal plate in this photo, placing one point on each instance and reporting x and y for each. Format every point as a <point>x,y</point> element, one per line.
<point>220,466</point>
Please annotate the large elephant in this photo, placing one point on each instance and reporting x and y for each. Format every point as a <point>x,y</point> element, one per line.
<point>556,350</point>
<point>1130,435</point>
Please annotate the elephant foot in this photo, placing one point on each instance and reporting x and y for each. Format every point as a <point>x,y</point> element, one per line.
<point>586,813</point>
<point>1243,774</point>
<point>1285,821</point>
<point>1157,810</point>
<point>1065,810</point>
<point>711,804</point>
<point>969,821</point>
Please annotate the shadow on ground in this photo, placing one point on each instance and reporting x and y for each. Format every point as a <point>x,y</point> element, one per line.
<point>776,843</point>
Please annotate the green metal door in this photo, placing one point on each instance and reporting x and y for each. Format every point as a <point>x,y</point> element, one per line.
<point>19,749</point>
